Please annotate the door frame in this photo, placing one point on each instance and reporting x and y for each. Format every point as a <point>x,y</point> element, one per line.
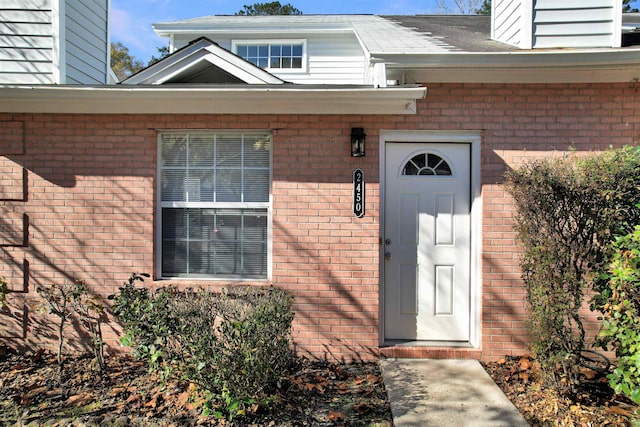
<point>473,139</point>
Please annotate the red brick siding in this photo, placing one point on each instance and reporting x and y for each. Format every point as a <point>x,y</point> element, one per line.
<point>90,205</point>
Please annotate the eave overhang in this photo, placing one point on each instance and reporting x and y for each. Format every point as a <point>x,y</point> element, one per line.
<point>550,66</point>
<point>248,27</point>
<point>195,99</point>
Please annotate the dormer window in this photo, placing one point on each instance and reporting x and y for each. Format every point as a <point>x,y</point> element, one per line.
<point>275,55</point>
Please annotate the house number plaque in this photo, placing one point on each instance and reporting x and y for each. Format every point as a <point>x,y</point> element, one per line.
<point>358,193</point>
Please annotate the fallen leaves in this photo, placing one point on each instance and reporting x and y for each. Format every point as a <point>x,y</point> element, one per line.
<point>523,382</point>
<point>619,410</point>
<point>336,417</point>
<point>344,394</point>
<point>80,399</point>
<point>315,394</point>
<point>153,402</point>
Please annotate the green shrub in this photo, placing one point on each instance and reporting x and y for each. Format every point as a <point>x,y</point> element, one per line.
<point>146,318</point>
<point>620,303</point>
<point>567,212</point>
<point>235,345</point>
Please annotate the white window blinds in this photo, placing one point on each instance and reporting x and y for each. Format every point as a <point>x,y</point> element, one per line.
<point>214,197</point>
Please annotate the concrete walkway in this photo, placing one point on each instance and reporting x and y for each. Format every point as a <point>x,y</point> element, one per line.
<point>426,393</point>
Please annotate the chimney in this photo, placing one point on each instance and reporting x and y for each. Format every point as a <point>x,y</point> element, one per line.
<point>539,24</point>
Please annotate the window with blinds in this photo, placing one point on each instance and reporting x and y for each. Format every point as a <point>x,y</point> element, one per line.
<point>214,204</point>
<point>275,55</point>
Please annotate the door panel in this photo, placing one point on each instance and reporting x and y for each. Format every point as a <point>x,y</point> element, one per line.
<point>427,242</point>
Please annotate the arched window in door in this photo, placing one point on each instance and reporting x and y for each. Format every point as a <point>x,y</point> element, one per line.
<point>427,164</point>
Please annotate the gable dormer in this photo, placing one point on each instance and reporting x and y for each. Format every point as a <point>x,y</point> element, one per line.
<point>313,49</point>
<point>202,61</point>
<point>536,24</point>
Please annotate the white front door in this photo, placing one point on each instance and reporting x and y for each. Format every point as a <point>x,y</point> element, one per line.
<point>427,242</point>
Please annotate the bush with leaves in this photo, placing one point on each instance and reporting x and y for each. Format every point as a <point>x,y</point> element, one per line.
<point>235,345</point>
<point>567,212</point>
<point>620,302</point>
<point>147,319</point>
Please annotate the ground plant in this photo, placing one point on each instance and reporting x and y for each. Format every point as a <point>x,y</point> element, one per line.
<point>620,303</point>
<point>145,316</point>
<point>568,211</point>
<point>234,345</point>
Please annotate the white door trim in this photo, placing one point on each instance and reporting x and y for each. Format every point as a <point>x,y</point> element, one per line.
<point>473,138</point>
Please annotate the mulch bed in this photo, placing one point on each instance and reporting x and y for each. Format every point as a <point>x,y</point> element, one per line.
<point>316,394</point>
<point>593,403</point>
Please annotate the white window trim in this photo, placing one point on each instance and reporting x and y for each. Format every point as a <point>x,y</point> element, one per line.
<point>222,205</point>
<point>252,42</point>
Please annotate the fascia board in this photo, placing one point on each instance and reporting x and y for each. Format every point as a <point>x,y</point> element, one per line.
<point>518,76</point>
<point>166,30</point>
<point>204,100</point>
<point>591,66</point>
<point>529,59</point>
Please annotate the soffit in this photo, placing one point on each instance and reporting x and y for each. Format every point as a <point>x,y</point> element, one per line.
<point>210,99</point>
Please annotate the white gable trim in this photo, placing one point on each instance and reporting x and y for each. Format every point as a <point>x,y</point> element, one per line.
<point>201,50</point>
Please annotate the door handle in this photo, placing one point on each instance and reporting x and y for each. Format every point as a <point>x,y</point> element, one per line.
<point>388,256</point>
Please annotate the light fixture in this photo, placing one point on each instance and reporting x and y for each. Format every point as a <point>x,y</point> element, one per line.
<point>358,138</point>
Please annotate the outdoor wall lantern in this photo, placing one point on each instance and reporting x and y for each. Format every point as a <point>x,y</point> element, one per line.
<point>357,142</point>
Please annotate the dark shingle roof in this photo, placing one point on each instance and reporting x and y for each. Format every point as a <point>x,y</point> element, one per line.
<point>472,33</point>
<point>469,33</point>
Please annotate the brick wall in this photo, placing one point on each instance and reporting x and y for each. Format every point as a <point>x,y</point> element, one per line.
<point>84,189</point>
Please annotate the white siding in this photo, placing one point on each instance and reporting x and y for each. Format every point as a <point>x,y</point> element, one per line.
<point>557,23</point>
<point>509,22</point>
<point>336,59</point>
<point>86,51</point>
<point>576,23</point>
<point>331,58</point>
<point>26,42</point>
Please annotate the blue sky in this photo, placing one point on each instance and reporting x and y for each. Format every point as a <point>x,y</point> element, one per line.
<point>131,19</point>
